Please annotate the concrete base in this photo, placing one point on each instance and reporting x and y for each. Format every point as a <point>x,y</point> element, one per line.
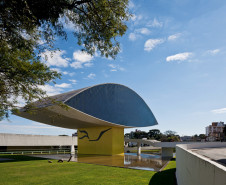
<point>167,152</point>
<point>138,148</point>
<point>101,140</point>
<point>72,149</point>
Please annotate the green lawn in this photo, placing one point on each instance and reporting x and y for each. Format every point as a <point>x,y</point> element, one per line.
<point>28,170</point>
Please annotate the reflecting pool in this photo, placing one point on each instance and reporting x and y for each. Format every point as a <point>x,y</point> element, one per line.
<point>128,160</point>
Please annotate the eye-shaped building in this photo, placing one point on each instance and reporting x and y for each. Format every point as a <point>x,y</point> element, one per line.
<point>100,113</point>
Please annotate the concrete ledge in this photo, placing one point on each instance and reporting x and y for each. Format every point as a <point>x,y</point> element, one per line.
<point>195,169</point>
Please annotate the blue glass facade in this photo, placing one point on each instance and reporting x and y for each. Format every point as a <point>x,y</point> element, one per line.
<point>113,103</point>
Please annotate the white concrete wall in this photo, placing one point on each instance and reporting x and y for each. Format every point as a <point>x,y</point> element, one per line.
<point>194,169</point>
<point>36,140</point>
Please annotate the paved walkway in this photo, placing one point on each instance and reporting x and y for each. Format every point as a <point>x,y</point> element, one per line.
<point>215,154</point>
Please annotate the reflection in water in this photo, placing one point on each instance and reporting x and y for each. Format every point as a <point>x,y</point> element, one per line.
<point>128,160</point>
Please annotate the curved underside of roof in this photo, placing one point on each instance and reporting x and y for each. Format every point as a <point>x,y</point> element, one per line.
<point>99,105</point>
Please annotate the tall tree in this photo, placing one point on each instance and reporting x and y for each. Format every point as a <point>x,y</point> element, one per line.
<point>155,133</point>
<point>29,27</point>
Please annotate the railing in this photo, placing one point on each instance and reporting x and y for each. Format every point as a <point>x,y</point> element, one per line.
<point>37,152</point>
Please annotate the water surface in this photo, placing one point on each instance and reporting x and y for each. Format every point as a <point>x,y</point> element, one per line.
<point>128,160</point>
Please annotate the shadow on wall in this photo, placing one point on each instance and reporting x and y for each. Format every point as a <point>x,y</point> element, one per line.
<point>165,177</point>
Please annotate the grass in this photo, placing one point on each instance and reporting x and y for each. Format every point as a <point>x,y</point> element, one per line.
<point>29,170</point>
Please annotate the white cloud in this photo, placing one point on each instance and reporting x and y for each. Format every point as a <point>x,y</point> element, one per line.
<point>213,52</point>
<point>151,43</point>
<point>133,17</point>
<point>143,31</point>
<point>56,69</point>
<point>63,72</point>
<point>174,37</point>
<point>179,57</point>
<point>76,65</point>
<point>38,126</point>
<point>50,90</point>
<point>73,81</point>
<point>81,58</point>
<point>116,67</point>
<point>88,64</point>
<point>136,18</point>
<point>132,36</point>
<point>63,85</point>
<point>138,32</point>
<point>131,4</point>
<point>219,111</point>
<point>68,25</point>
<point>55,58</point>
<point>155,23</point>
<point>91,76</point>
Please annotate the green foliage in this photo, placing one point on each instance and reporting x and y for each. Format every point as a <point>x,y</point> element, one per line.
<point>224,130</point>
<point>168,136</point>
<point>155,134</point>
<point>29,27</point>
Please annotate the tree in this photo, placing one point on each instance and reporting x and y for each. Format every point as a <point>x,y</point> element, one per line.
<point>155,133</point>
<point>29,27</point>
<point>202,136</point>
<point>224,130</point>
<point>170,133</point>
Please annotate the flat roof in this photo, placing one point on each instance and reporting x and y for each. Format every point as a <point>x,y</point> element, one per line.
<point>215,154</point>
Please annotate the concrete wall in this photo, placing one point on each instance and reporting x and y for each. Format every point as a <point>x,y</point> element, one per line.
<point>36,140</point>
<point>194,169</point>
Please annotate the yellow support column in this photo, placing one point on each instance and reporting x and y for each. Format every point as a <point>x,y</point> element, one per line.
<point>101,140</point>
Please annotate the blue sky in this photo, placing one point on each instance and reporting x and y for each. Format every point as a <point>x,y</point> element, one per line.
<point>173,55</point>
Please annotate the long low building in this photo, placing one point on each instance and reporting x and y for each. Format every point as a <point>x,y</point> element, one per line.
<point>22,141</point>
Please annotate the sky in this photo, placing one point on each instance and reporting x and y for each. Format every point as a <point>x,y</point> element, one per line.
<point>173,55</point>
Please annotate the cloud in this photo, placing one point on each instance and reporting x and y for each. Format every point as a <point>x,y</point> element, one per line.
<point>29,127</point>
<point>68,73</point>
<point>132,36</point>
<point>151,43</point>
<point>68,25</point>
<point>82,59</point>
<point>213,52</point>
<point>138,32</point>
<point>174,37</point>
<point>143,31</point>
<point>73,81</point>
<point>155,23</point>
<point>136,18</point>
<point>219,111</point>
<point>50,90</point>
<point>63,72</point>
<point>91,76</point>
<point>88,64</point>
<point>131,5</point>
<point>63,85</point>
<point>116,67</point>
<point>179,57</point>
<point>55,58</point>
<point>133,17</point>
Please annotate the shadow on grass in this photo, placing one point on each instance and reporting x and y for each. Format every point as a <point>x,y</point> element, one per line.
<point>17,158</point>
<point>165,177</point>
